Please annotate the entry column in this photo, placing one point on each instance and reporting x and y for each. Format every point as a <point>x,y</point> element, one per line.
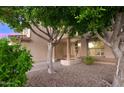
<point>54,52</point>
<point>68,50</point>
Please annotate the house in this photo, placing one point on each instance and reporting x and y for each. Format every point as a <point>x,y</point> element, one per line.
<point>68,50</point>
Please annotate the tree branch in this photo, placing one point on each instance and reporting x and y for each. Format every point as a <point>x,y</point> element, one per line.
<point>47,29</point>
<point>102,39</point>
<point>37,33</point>
<point>57,41</point>
<point>56,35</point>
<point>116,48</point>
<point>117,26</point>
<point>39,28</point>
<point>53,32</point>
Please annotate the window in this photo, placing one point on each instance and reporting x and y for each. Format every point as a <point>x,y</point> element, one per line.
<point>95,48</point>
<point>27,33</point>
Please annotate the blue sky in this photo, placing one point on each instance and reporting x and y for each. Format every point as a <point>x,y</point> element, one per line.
<point>4,29</point>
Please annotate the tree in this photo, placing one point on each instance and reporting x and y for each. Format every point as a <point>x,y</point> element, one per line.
<point>51,22</point>
<point>100,20</point>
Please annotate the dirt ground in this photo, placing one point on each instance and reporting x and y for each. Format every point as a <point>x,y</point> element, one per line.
<point>77,75</point>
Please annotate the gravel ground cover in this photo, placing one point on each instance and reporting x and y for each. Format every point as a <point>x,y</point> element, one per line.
<point>77,75</point>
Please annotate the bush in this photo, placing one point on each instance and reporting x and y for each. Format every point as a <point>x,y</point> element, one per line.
<point>15,61</point>
<point>89,60</point>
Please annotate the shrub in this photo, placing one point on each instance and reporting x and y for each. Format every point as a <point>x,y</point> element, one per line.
<point>89,60</point>
<point>15,61</point>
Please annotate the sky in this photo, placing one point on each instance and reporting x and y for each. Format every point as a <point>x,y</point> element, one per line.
<point>5,30</point>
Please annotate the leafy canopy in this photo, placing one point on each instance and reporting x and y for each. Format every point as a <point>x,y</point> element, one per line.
<point>20,17</point>
<point>97,18</point>
<point>81,19</point>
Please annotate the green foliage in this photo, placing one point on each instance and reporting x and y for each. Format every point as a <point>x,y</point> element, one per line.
<point>14,40</point>
<point>15,61</point>
<point>20,17</point>
<point>89,60</point>
<point>98,18</point>
<point>81,19</point>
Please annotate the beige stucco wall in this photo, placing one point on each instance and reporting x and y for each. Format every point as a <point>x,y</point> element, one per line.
<point>60,51</point>
<point>84,47</point>
<point>37,47</point>
<point>108,52</point>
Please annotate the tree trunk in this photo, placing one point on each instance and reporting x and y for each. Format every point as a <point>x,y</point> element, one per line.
<point>50,63</point>
<point>119,76</point>
<point>115,43</point>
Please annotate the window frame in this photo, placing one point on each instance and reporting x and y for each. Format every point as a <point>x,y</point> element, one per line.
<point>100,51</point>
